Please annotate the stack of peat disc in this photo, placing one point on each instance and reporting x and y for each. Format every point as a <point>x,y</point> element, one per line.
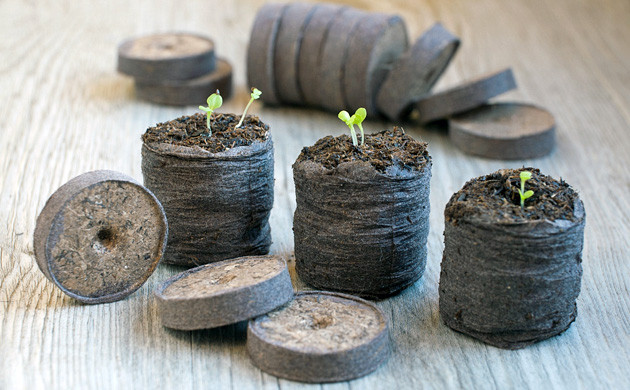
<point>176,69</point>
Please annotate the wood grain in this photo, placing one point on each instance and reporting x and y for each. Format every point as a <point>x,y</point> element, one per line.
<point>67,111</point>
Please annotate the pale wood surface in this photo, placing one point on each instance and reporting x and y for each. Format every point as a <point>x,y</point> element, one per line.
<point>65,111</point>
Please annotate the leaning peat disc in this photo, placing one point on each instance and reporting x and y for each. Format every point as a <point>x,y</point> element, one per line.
<point>464,97</point>
<point>320,337</point>
<point>100,236</point>
<point>188,92</point>
<point>509,131</point>
<point>261,49</point>
<point>173,56</point>
<point>224,293</point>
<point>375,43</point>
<point>416,71</point>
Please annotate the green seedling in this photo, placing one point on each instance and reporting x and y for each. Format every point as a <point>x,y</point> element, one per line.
<point>214,101</point>
<point>525,175</point>
<point>356,119</point>
<point>254,95</point>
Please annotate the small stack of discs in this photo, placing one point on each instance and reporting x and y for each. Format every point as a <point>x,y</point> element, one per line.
<point>177,69</point>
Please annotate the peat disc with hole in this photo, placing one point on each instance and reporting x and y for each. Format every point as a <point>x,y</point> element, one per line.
<point>171,56</point>
<point>416,71</point>
<point>261,51</point>
<point>224,293</point>
<point>508,131</point>
<point>464,97</point>
<point>100,236</point>
<point>188,92</point>
<point>320,337</point>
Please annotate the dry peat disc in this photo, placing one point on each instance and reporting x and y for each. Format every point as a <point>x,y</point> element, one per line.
<point>320,337</point>
<point>224,292</point>
<point>173,56</point>
<point>188,92</point>
<point>508,131</point>
<point>465,97</point>
<point>100,236</point>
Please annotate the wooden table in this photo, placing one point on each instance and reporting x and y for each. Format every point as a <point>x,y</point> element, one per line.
<point>66,111</point>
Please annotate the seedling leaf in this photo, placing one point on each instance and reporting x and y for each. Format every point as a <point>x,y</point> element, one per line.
<point>214,101</point>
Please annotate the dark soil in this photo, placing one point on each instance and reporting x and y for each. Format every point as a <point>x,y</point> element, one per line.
<point>192,131</point>
<point>495,198</point>
<point>382,150</point>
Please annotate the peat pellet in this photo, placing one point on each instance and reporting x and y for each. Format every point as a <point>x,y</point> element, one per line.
<point>288,43</point>
<point>100,236</point>
<point>508,131</point>
<point>314,37</point>
<point>464,97</point>
<point>173,56</point>
<point>375,43</point>
<point>510,276</point>
<point>224,293</point>
<point>261,51</point>
<point>334,55</point>
<point>416,71</point>
<point>188,92</point>
<point>320,337</point>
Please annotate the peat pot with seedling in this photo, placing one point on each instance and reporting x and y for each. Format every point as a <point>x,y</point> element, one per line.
<point>512,264</point>
<point>362,216</point>
<point>213,174</point>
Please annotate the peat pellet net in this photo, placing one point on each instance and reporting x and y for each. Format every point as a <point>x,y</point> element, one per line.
<point>217,204</point>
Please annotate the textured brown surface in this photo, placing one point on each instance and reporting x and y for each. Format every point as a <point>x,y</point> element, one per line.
<point>509,131</point>
<point>100,236</point>
<point>376,42</point>
<point>468,95</point>
<point>261,51</point>
<point>188,92</point>
<point>224,293</point>
<point>320,337</point>
<point>416,71</point>
<point>173,56</point>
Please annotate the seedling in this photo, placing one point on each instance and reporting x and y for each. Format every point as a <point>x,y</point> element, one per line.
<point>214,101</point>
<point>254,95</point>
<point>525,175</point>
<point>356,119</point>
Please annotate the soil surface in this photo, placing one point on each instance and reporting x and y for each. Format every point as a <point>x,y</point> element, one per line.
<point>193,131</point>
<point>495,198</point>
<point>382,150</point>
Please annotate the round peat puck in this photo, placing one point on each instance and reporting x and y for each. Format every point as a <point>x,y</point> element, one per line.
<point>507,131</point>
<point>224,293</point>
<point>100,236</point>
<point>465,97</point>
<point>416,71</point>
<point>188,92</point>
<point>375,43</point>
<point>320,337</point>
<point>261,51</point>
<point>288,43</point>
<point>173,56</point>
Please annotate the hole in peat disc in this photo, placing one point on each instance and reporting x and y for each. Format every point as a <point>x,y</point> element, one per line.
<point>321,321</point>
<point>106,237</point>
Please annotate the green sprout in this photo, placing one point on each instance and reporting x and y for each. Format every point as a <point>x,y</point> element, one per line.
<point>214,101</point>
<point>525,175</point>
<point>356,119</point>
<point>254,95</point>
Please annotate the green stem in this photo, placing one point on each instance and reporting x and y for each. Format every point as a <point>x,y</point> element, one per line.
<point>244,113</point>
<point>354,135</point>
<point>521,192</point>
<point>362,137</point>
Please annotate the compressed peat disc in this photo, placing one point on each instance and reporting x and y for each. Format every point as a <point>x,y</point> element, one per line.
<point>320,337</point>
<point>465,97</point>
<point>174,56</point>
<point>100,236</point>
<point>261,51</point>
<point>314,37</point>
<point>188,92</point>
<point>224,293</point>
<point>508,131</point>
<point>288,43</point>
<point>416,71</point>
<point>374,45</point>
